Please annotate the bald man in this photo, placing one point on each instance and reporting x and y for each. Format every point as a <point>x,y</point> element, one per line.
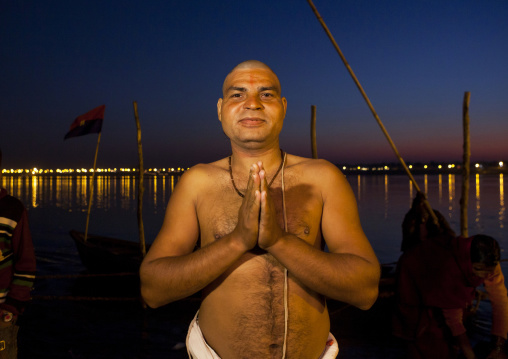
<point>260,219</point>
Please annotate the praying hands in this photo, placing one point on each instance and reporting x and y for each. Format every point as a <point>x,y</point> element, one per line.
<point>257,218</point>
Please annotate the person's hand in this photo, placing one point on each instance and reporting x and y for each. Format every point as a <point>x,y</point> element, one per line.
<point>497,354</point>
<point>247,227</point>
<point>465,346</point>
<point>269,230</point>
<point>6,318</point>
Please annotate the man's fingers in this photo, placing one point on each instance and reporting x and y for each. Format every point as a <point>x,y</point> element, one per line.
<point>251,202</point>
<point>252,187</point>
<point>262,179</point>
<point>253,183</point>
<point>248,216</point>
<point>263,195</point>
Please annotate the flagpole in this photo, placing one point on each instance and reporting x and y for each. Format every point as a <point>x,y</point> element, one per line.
<point>91,185</point>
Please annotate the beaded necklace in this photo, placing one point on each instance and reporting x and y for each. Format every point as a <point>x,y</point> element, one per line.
<point>269,184</point>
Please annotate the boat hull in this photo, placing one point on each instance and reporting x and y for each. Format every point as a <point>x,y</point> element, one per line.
<point>101,254</point>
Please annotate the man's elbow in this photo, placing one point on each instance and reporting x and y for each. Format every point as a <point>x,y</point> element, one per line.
<point>150,299</point>
<point>154,298</point>
<point>149,291</point>
<point>370,291</point>
<point>369,298</point>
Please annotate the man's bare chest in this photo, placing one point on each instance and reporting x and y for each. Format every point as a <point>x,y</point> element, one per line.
<point>298,211</point>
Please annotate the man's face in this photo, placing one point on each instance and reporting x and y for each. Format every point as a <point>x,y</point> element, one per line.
<point>482,271</point>
<point>252,111</point>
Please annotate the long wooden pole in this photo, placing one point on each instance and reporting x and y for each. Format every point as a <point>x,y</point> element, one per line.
<point>141,187</point>
<point>464,200</point>
<point>385,132</point>
<point>92,186</point>
<point>313,131</point>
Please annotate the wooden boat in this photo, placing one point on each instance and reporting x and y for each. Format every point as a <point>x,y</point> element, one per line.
<point>101,254</point>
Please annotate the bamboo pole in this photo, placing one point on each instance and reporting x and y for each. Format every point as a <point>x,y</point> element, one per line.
<point>313,131</point>
<point>141,188</point>
<point>466,166</point>
<point>385,132</point>
<point>92,186</point>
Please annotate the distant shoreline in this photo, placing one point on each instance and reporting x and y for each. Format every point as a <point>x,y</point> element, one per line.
<point>422,169</point>
<point>370,169</point>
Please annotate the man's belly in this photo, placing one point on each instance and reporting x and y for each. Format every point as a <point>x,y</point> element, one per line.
<point>243,315</point>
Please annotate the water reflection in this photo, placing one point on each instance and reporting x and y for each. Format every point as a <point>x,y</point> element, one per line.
<point>72,193</point>
<point>440,180</point>
<point>502,208</point>
<point>451,194</point>
<point>383,200</point>
<point>154,184</point>
<point>477,197</point>
<point>359,194</point>
<point>386,197</point>
<point>411,195</point>
<point>34,192</point>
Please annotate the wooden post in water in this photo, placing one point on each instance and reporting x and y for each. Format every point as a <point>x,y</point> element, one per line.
<point>313,131</point>
<point>466,167</point>
<point>369,104</point>
<point>141,187</point>
<point>92,186</point>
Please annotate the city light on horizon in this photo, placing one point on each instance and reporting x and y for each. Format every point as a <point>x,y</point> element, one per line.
<point>178,170</point>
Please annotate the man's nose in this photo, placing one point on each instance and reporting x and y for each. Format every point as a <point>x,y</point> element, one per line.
<point>253,103</point>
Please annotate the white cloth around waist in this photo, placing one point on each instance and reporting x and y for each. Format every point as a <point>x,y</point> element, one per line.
<point>197,348</point>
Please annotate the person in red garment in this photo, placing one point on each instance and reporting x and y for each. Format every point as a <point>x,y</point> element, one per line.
<point>437,279</point>
<point>17,269</point>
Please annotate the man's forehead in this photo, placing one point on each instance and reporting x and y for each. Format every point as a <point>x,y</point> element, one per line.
<point>248,77</point>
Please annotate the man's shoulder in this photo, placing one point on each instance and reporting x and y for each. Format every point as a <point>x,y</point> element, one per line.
<point>316,169</point>
<point>203,172</point>
<point>207,169</point>
<point>306,162</point>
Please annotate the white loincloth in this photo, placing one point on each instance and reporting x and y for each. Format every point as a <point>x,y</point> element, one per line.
<point>197,348</point>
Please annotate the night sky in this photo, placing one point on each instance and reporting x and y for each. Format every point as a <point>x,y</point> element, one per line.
<point>415,60</point>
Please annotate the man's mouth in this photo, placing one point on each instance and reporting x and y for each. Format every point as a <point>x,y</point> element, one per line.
<point>251,121</point>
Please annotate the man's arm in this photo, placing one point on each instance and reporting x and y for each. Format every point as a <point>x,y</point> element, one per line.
<point>22,259</point>
<point>171,270</point>
<point>465,346</point>
<point>454,320</point>
<point>497,292</point>
<point>350,271</point>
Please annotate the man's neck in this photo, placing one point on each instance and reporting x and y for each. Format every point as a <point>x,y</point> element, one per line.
<point>242,159</point>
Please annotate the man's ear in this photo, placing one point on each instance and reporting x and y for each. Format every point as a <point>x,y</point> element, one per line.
<point>219,108</point>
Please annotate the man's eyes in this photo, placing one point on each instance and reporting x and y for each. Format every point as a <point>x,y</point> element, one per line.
<point>263,95</point>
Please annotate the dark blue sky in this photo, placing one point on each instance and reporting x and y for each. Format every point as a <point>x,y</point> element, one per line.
<point>415,60</point>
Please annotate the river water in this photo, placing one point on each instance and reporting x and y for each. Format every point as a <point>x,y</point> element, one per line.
<point>74,316</point>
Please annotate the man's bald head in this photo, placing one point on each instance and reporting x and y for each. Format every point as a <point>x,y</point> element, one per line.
<point>247,65</point>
